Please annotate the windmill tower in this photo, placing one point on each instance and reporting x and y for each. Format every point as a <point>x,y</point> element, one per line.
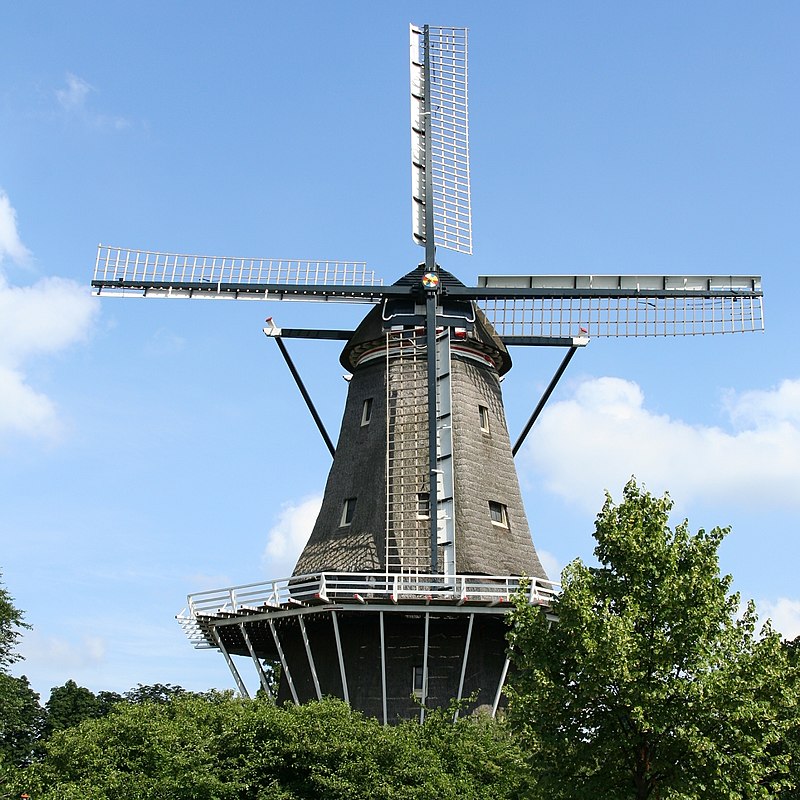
<point>397,601</point>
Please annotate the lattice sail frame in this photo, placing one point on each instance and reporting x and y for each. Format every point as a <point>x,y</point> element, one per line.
<point>124,271</point>
<point>624,305</point>
<point>445,77</point>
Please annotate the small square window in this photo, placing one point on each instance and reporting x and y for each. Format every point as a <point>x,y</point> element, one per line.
<point>423,505</point>
<point>366,411</point>
<point>417,680</point>
<point>348,509</point>
<point>483,415</point>
<point>498,513</point>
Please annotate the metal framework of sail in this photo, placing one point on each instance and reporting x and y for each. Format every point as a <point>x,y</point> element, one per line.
<point>555,306</point>
<point>440,137</point>
<point>524,309</point>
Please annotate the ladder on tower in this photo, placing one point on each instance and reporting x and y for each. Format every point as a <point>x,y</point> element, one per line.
<point>408,510</point>
<point>445,501</point>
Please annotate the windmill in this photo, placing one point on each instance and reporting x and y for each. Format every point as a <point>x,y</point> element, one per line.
<point>397,600</point>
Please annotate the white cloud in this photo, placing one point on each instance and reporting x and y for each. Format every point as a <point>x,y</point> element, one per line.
<point>552,566</point>
<point>604,434</point>
<point>39,649</point>
<point>44,318</point>
<point>784,613</point>
<point>24,410</point>
<point>10,244</point>
<point>764,408</point>
<point>73,97</point>
<point>34,320</point>
<point>289,534</point>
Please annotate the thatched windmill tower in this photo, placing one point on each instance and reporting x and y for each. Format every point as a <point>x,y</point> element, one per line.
<point>398,598</point>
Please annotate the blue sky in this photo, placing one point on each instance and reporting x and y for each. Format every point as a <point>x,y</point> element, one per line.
<point>153,448</point>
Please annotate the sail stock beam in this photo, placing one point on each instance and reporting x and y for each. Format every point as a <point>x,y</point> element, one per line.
<point>247,291</point>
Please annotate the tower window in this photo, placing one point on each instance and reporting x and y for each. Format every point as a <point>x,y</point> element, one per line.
<point>417,680</point>
<point>498,513</point>
<point>483,415</point>
<point>366,411</point>
<point>423,505</point>
<point>348,509</point>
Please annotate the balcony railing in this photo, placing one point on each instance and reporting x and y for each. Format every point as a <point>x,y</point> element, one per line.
<point>364,587</point>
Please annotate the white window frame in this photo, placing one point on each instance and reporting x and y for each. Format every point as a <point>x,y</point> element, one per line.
<point>483,417</point>
<point>501,510</point>
<point>423,505</point>
<point>366,412</point>
<point>348,510</point>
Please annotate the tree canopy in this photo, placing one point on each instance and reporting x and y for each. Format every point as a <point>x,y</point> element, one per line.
<point>218,746</point>
<point>11,625</point>
<point>652,683</point>
<point>20,713</point>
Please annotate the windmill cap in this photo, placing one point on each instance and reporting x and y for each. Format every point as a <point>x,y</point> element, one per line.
<point>370,335</point>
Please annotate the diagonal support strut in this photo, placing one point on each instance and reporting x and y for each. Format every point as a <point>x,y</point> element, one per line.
<point>545,397</point>
<point>275,333</point>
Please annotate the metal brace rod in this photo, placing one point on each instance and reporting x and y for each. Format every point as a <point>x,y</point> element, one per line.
<point>284,664</point>
<point>500,685</point>
<point>262,677</point>
<point>345,693</point>
<point>301,386</point>
<point>383,670</point>
<point>464,663</point>
<point>231,666</point>
<point>311,664</point>
<point>424,697</point>
<point>545,397</point>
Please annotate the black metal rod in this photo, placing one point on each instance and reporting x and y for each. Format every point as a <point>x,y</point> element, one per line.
<point>430,302</point>
<point>301,386</point>
<point>545,398</point>
<point>430,340</point>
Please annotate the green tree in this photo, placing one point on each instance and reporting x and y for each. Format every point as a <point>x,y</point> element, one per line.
<point>20,712</point>
<point>69,705</point>
<point>197,747</point>
<point>790,746</point>
<point>153,693</point>
<point>21,720</point>
<point>11,626</point>
<point>650,684</point>
<point>107,701</point>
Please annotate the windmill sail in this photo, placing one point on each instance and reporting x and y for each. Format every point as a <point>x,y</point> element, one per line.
<point>440,137</point>
<point>554,306</point>
<point>120,271</point>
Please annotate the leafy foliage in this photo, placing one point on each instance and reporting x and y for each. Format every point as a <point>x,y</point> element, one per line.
<point>69,705</point>
<point>20,713</point>
<point>790,745</point>
<point>153,693</point>
<point>21,720</point>
<point>220,747</point>
<point>648,686</point>
<point>11,626</point>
